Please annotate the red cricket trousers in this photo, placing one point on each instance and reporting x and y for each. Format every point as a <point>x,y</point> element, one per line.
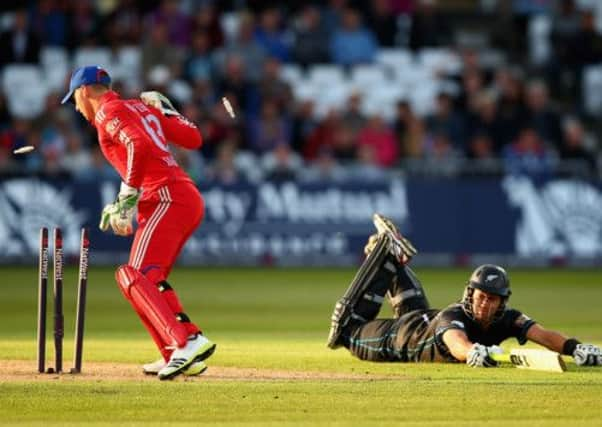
<point>166,219</point>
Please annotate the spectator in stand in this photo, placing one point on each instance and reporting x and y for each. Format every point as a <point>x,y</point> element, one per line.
<point>207,20</point>
<point>303,124</point>
<point>528,155</point>
<point>352,115</point>
<point>344,144</point>
<point>272,86</point>
<point>377,134</point>
<point>123,25</point>
<point>16,136</point>
<point>566,22</point>
<point>204,95</point>
<point>235,81</point>
<point>428,28</point>
<point>383,22</point>
<point>332,13</point>
<point>576,149</point>
<point>480,147</point>
<point>366,168</point>
<point>5,117</point>
<point>311,37</point>
<point>322,135</point>
<point>8,166</point>
<point>272,35</point>
<point>472,85</point>
<point>223,169</point>
<point>324,168</point>
<point>157,51</point>
<point>351,43</point>
<point>511,109</point>
<point>178,24</point>
<point>19,44</point>
<point>50,23</point>
<point>100,169</point>
<point>198,65</point>
<point>405,7</point>
<point>485,119</point>
<point>446,121</point>
<point>84,25</point>
<point>440,157</point>
<point>585,49</point>
<point>281,164</point>
<point>542,114</point>
<point>216,126</point>
<point>484,160</point>
<point>244,46</point>
<point>76,159</point>
<point>409,131</point>
<point>270,129</point>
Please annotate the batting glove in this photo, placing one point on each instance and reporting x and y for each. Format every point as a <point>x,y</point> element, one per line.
<point>159,101</point>
<point>587,355</point>
<point>480,356</point>
<point>120,214</point>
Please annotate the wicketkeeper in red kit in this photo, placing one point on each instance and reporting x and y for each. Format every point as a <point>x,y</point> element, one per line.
<point>134,135</point>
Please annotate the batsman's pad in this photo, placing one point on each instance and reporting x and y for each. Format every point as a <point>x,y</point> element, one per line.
<point>146,299</point>
<point>364,296</point>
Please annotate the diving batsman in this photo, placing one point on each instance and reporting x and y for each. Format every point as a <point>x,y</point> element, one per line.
<point>468,331</point>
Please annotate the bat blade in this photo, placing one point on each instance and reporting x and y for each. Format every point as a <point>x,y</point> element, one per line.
<point>539,360</point>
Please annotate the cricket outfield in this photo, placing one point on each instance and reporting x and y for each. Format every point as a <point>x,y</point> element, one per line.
<point>272,366</point>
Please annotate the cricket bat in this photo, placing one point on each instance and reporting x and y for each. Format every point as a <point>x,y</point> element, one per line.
<point>539,360</point>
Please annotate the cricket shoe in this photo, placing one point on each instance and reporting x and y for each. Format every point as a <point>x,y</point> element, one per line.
<point>153,368</point>
<point>197,349</point>
<point>340,318</point>
<point>401,248</point>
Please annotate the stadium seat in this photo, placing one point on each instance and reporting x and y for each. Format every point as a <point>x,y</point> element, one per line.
<point>592,89</point>
<point>55,66</point>
<point>305,90</point>
<point>291,73</point>
<point>25,90</point>
<point>127,67</point>
<point>324,75</point>
<point>540,27</point>
<point>439,60</point>
<point>368,75</point>
<point>395,59</point>
<point>229,22</point>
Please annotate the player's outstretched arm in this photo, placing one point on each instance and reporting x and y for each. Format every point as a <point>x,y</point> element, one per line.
<point>464,350</point>
<point>583,354</point>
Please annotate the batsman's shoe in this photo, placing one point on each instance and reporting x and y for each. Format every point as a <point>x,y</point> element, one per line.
<point>197,349</point>
<point>340,317</point>
<point>153,368</point>
<point>401,248</point>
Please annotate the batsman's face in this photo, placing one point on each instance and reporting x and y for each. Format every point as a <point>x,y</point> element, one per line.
<point>484,305</point>
<point>82,104</point>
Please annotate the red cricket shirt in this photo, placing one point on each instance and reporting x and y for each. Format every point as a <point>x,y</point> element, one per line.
<point>134,138</point>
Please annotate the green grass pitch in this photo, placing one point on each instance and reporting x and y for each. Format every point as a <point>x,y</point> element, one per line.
<point>272,367</point>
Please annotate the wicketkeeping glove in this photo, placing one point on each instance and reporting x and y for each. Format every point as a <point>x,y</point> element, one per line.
<point>587,355</point>
<point>119,215</point>
<point>480,356</point>
<point>159,101</point>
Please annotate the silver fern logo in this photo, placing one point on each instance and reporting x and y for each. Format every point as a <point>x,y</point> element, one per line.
<point>25,206</point>
<point>564,217</point>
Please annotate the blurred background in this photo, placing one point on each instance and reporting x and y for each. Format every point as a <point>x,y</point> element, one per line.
<point>475,125</point>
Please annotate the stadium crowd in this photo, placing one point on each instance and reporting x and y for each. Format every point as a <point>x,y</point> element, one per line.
<point>323,90</point>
